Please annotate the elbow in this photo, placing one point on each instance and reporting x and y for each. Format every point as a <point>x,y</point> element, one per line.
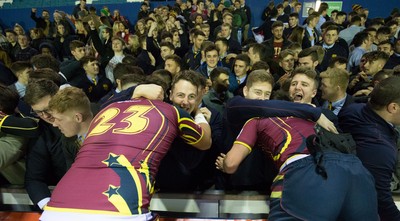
<point>230,167</point>
<point>205,144</point>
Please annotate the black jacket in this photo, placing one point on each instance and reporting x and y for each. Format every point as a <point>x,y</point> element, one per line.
<point>48,159</point>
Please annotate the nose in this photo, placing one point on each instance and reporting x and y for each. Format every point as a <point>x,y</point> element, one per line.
<point>185,102</point>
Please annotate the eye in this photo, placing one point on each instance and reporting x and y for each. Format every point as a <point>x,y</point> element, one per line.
<point>192,97</point>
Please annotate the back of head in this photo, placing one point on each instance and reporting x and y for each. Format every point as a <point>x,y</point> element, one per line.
<point>45,61</point>
<point>260,65</point>
<point>129,59</point>
<point>19,66</point>
<point>261,50</point>
<point>337,77</point>
<point>359,39</point>
<point>71,98</point>
<point>165,76</point>
<point>311,51</point>
<point>381,75</point>
<point>386,92</point>
<point>45,73</point>
<point>36,90</point>
<point>8,100</point>
<point>355,20</point>
<point>122,69</point>
<point>337,60</point>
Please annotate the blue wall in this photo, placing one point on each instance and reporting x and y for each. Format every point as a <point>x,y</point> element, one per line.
<point>19,11</point>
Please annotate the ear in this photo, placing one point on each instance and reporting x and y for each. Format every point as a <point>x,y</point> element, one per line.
<point>314,92</point>
<point>393,108</point>
<point>245,91</point>
<point>315,63</point>
<point>170,95</point>
<point>79,117</point>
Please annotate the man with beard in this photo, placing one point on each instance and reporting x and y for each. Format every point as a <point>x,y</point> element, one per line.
<point>42,22</point>
<point>277,43</point>
<point>218,94</point>
<point>370,64</point>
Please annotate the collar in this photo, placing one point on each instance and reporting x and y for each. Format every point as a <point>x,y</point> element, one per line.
<point>242,79</point>
<point>325,46</point>
<point>337,105</point>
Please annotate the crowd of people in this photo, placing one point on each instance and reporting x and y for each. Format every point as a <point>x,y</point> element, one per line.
<point>86,100</point>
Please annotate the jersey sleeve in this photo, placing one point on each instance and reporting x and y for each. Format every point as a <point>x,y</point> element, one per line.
<point>19,126</point>
<point>189,131</point>
<point>248,135</point>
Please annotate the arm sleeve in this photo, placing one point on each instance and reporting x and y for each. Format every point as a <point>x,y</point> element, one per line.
<point>70,69</point>
<point>33,16</point>
<point>100,47</point>
<point>190,132</point>
<point>121,96</point>
<point>11,149</point>
<point>151,47</point>
<point>38,164</point>
<point>24,127</point>
<point>239,110</point>
<point>248,135</point>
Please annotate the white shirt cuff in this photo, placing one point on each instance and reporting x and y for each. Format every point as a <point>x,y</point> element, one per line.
<point>43,202</point>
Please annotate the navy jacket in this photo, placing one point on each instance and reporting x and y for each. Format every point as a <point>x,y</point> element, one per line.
<point>376,148</point>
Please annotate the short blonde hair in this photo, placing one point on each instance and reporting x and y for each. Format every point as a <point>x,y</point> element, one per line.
<point>71,98</point>
<point>337,76</point>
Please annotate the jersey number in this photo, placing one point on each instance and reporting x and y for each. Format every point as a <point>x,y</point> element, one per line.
<point>136,121</point>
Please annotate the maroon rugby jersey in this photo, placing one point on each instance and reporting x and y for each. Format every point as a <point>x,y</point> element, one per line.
<point>279,137</point>
<point>114,171</point>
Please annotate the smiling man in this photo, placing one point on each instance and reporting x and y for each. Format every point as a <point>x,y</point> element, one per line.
<point>303,86</point>
<point>332,48</point>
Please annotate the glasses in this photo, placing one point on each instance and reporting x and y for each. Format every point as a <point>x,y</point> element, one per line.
<point>40,113</point>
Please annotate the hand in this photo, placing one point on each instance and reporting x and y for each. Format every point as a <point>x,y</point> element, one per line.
<point>364,92</point>
<point>354,82</point>
<point>219,163</point>
<point>149,91</point>
<point>324,122</point>
<point>34,10</point>
<point>152,59</point>
<point>207,113</point>
<point>364,76</point>
<point>229,56</point>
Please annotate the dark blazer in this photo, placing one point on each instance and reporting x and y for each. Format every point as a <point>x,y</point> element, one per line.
<point>103,48</point>
<point>48,159</point>
<point>94,92</point>
<point>306,41</point>
<point>234,46</point>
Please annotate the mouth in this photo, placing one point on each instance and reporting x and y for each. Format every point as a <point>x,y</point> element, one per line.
<point>298,97</point>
